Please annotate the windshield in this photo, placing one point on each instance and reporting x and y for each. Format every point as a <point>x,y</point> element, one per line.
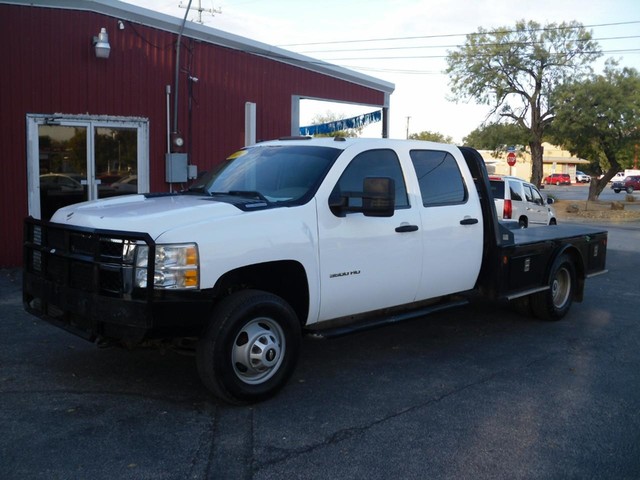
<point>271,173</point>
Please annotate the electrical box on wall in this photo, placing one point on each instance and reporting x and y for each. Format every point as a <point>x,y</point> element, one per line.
<point>176,167</point>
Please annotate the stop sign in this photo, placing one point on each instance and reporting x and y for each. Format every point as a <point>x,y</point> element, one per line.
<point>511,158</point>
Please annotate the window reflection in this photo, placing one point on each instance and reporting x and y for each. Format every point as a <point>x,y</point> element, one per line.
<point>66,174</point>
<point>63,167</point>
<point>116,155</point>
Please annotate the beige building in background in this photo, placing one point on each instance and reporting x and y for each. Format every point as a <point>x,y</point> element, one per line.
<point>555,160</point>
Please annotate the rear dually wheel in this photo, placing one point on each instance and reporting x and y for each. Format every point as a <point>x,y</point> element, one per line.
<point>554,303</point>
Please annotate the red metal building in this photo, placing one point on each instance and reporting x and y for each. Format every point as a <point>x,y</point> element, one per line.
<point>78,126</point>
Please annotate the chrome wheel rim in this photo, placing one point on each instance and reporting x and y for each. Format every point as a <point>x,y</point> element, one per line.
<point>258,350</point>
<point>561,288</point>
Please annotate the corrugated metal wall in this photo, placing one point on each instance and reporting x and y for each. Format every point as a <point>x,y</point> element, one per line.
<point>49,66</point>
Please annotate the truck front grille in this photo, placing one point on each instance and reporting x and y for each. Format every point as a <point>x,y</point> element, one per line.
<point>97,261</point>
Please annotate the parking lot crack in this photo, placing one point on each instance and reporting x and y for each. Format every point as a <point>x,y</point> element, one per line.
<point>231,453</point>
<point>356,431</point>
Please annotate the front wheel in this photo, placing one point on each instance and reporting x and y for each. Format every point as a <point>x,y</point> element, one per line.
<point>629,190</point>
<point>250,348</point>
<point>616,190</point>
<point>554,303</point>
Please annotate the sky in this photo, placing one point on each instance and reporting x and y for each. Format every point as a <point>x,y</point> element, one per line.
<point>405,42</point>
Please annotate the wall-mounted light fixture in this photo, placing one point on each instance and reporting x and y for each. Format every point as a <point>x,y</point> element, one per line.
<point>101,44</point>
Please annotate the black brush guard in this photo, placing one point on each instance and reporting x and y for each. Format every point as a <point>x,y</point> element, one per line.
<point>82,280</point>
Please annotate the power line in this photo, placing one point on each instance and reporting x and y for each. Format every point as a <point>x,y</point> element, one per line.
<point>401,71</point>
<point>568,27</point>
<point>417,47</point>
<point>416,57</point>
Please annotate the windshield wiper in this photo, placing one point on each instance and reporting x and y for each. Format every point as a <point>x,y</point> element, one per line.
<point>199,190</point>
<point>252,194</point>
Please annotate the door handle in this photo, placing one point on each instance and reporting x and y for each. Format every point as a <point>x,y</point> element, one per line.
<point>468,221</point>
<point>406,228</point>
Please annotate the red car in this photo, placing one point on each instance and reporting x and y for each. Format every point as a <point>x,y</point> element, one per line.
<point>629,184</point>
<point>558,179</point>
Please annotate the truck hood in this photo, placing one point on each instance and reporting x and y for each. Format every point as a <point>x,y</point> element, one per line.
<point>139,213</point>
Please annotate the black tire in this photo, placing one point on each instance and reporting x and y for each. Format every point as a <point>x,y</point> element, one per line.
<point>250,348</point>
<point>522,223</point>
<point>553,221</point>
<point>554,303</point>
<point>616,190</point>
<point>629,190</point>
<point>558,183</point>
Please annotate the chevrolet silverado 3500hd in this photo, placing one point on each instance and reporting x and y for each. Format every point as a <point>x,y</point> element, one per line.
<point>292,236</point>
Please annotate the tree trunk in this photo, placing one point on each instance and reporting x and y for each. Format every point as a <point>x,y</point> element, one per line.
<point>537,150</point>
<point>595,188</point>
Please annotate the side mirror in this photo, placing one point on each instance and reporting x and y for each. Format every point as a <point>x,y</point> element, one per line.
<point>377,199</point>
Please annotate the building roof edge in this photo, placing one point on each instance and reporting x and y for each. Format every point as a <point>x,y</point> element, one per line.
<point>133,13</point>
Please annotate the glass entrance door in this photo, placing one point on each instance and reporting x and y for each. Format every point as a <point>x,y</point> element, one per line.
<point>116,161</point>
<point>62,167</point>
<point>73,159</point>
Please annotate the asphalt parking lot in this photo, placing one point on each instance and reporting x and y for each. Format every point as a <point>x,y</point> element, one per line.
<point>581,191</point>
<point>473,393</point>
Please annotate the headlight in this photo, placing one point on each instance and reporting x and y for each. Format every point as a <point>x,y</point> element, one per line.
<point>176,266</point>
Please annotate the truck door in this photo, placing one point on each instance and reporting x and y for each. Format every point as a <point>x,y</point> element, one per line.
<point>368,263</point>
<point>452,236</point>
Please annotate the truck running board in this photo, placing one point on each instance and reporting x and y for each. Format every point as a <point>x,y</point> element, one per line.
<point>378,321</point>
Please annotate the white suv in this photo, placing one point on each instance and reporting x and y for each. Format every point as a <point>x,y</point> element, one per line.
<point>582,177</point>
<point>518,201</point>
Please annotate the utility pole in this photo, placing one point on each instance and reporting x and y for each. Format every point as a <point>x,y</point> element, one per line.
<point>199,9</point>
<point>408,118</point>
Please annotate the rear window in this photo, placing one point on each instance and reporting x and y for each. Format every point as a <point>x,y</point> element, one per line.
<point>440,179</point>
<point>497,188</point>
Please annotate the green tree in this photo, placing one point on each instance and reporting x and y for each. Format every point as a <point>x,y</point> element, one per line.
<point>496,136</point>
<point>599,119</point>
<point>431,137</point>
<point>515,70</point>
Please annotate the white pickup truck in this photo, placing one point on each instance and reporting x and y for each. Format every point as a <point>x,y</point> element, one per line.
<point>291,236</point>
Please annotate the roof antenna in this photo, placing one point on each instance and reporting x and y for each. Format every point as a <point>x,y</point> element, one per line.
<point>211,10</point>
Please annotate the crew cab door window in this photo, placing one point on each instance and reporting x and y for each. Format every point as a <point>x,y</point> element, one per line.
<point>367,263</point>
<point>452,239</point>
<point>373,163</point>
